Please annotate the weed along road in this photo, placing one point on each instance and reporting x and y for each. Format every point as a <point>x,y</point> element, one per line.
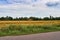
<point>41,36</point>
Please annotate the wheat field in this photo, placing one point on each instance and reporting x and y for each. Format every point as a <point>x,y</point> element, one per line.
<point>28,27</point>
<point>7,23</point>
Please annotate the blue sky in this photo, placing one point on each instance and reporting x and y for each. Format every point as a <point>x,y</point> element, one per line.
<point>26,8</point>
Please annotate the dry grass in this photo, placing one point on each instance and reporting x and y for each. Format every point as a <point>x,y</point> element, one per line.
<point>7,23</point>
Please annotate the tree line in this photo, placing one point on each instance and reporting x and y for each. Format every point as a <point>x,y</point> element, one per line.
<point>29,18</point>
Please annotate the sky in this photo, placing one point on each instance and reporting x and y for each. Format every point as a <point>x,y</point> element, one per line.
<point>27,8</point>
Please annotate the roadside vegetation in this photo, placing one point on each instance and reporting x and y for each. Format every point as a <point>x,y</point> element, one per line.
<point>12,30</point>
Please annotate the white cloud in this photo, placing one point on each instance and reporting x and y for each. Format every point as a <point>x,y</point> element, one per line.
<point>37,8</point>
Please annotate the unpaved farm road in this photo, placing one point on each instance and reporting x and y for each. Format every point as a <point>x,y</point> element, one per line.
<point>41,36</point>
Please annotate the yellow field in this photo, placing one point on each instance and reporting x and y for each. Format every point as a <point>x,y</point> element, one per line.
<point>7,23</point>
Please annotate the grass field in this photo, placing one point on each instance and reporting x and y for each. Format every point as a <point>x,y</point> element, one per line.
<point>28,27</point>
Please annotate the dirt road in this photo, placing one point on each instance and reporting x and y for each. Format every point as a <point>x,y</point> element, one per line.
<point>41,36</point>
